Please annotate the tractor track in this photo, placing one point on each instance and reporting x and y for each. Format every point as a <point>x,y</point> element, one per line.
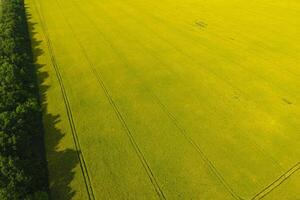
<point>82,162</point>
<point>277,182</point>
<point>118,113</point>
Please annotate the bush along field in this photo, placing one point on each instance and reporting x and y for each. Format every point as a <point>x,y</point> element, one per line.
<point>22,167</point>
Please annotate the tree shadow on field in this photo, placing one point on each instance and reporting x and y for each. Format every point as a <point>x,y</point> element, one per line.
<point>61,163</point>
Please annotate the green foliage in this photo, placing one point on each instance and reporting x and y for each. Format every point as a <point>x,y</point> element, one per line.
<point>21,169</point>
<point>39,195</point>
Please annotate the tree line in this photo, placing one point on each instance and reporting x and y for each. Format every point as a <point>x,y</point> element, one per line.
<point>23,173</point>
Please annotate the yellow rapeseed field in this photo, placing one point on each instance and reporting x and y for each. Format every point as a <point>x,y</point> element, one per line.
<point>169,99</point>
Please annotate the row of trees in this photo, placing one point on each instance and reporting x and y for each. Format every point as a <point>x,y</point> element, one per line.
<point>22,167</point>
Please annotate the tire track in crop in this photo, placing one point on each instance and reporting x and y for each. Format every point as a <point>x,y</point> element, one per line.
<point>79,152</point>
<point>203,156</point>
<point>277,182</point>
<point>120,117</point>
<point>175,122</point>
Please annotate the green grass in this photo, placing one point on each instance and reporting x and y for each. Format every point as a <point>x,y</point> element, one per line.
<point>170,99</point>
